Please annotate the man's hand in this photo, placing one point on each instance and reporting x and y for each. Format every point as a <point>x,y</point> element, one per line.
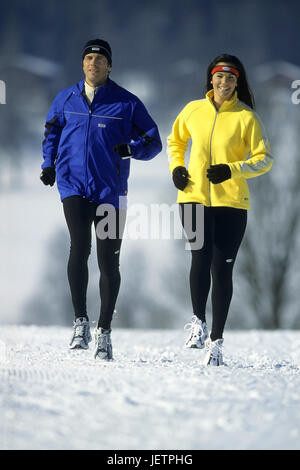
<point>180,177</point>
<point>123,150</point>
<point>48,175</point>
<point>218,173</point>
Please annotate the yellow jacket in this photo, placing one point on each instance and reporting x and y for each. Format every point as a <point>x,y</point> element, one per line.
<point>232,135</point>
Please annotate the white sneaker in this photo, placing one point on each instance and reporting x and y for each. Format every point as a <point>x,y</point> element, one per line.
<point>103,346</point>
<point>214,353</point>
<point>81,334</point>
<point>198,334</point>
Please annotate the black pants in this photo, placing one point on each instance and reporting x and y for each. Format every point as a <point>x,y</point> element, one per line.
<point>224,228</point>
<point>80,214</point>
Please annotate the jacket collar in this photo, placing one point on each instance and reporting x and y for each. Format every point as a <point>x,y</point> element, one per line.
<point>227,104</point>
<point>102,90</point>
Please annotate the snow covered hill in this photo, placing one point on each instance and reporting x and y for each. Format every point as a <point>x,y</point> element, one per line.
<point>154,395</point>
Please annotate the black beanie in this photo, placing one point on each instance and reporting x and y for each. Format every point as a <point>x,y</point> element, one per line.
<point>98,46</point>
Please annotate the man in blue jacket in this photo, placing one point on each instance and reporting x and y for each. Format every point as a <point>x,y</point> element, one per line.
<point>92,131</point>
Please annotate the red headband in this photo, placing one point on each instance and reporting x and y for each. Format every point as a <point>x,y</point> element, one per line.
<point>225,68</point>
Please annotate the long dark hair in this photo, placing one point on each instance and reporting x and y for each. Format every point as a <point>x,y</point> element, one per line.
<point>243,90</point>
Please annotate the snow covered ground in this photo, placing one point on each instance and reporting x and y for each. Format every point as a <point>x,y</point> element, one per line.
<point>154,395</point>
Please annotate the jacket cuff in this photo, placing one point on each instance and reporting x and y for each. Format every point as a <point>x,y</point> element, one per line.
<point>47,162</point>
<point>235,168</point>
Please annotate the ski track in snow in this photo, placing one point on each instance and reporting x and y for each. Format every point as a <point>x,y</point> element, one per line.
<point>154,395</point>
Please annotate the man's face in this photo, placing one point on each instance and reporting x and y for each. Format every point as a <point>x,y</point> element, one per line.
<point>96,69</point>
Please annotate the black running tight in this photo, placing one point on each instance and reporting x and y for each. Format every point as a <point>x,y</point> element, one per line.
<point>224,228</point>
<point>80,214</point>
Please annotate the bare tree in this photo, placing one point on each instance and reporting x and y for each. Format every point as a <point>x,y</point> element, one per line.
<point>268,266</point>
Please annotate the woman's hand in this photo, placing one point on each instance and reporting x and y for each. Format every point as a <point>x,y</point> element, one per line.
<point>218,173</point>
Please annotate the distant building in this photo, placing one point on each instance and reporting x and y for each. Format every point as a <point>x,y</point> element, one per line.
<point>279,83</point>
<point>30,84</point>
<point>280,73</point>
<point>29,73</point>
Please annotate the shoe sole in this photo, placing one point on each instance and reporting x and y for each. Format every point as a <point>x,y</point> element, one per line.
<point>194,346</point>
<point>78,346</point>
<point>211,363</point>
<point>103,358</point>
<point>103,355</point>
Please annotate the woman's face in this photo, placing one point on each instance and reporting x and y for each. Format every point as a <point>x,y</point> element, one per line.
<point>224,84</point>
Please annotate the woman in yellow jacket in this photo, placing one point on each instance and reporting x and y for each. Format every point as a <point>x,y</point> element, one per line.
<point>228,147</point>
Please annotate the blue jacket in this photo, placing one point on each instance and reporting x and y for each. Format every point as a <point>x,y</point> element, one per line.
<point>79,141</point>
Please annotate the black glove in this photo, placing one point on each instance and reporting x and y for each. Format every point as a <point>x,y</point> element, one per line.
<point>123,150</point>
<point>218,173</point>
<point>48,175</point>
<point>180,177</point>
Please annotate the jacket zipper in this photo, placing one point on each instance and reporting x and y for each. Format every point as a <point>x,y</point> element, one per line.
<point>86,159</point>
<point>211,136</point>
<point>86,142</point>
<point>86,146</point>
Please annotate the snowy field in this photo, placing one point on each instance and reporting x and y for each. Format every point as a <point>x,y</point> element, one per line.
<point>154,395</point>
